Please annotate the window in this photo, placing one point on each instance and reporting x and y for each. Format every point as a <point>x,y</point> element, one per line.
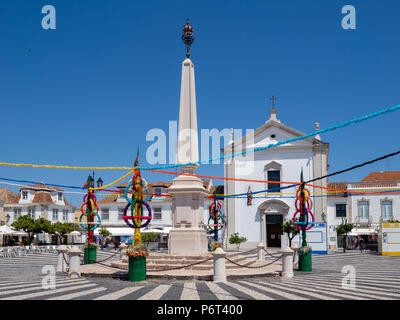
<point>31,213</point>
<point>274,175</point>
<point>120,213</point>
<point>158,190</point>
<point>60,196</point>
<point>65,215</point>
<point>341,210</point>
<point>24,195</point>
<point>55,214</point>
<point>387,213</point>
<point>363,210</point>
<point>105,214</point>
<point>17,213</point>
<point>157,213</point>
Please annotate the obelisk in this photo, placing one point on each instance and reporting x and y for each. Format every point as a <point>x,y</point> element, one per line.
<point>188,236</point>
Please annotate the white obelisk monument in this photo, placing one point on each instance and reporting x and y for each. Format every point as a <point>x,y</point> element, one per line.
<point>188,236</point>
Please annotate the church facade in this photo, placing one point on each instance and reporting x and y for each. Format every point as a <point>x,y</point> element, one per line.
<point>260,216</point>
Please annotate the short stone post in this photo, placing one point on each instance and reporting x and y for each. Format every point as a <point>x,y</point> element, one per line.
<point>287,263</point>
<point>295,248</point>
<point>74,263</point>
<point>219,265</point>
<point>123,248</point>
<point>260,252</point>
<point>61,265</point>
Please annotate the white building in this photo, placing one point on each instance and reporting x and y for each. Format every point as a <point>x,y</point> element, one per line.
<point>365,211</point>
<point>112,210</point>
<point>260,219</point>
<point>39,201</point>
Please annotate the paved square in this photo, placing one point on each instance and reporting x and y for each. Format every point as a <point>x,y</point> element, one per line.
<point>377,277</point>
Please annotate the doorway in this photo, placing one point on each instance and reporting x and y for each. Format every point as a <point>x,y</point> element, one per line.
<point>274,230</point>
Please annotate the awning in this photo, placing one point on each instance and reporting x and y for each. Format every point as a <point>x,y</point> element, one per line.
<point>116,232</point>
<point>7,230</point>
<point>362,231</point>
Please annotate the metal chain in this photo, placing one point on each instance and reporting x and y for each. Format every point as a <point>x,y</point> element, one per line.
<point>272,255</point>
<point>65,259</point>
<point>181,267</point>
<point>256,267</point>
<point>93,261</point>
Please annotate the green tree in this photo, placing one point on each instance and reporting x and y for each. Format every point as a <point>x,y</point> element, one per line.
<point>237,240</point>
<point>42,225</point>
<point>104,233</point>
<point>342,230</point>
<point>290,229</point>
<point>60,229</point>
<point>149,237</point>
<point>26,224</point>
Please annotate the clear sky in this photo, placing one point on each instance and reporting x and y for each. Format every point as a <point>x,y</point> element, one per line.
<point>88,92</point>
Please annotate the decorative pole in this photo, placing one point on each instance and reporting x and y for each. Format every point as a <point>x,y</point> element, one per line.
<point>303,206</point>
<point>89,201</point>
<point>137,252</point>
<point>216,216</point>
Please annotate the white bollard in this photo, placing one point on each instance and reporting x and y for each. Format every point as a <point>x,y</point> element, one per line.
<point>219,265</point>
<point>260,252</point>
<point>287,263</point>
<point>74,263</point>
<point>61,265</point>
<point>123,248</point>
<point>295,248</point>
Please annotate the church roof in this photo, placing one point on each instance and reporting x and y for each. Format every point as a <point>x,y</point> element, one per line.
<point>274,122</point>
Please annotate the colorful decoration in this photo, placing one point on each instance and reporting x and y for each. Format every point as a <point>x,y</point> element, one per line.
<point>138,187</point>
<point>305,222</point>
<point>303,205</point>
<point>216,218</point>
<point>88,210</point>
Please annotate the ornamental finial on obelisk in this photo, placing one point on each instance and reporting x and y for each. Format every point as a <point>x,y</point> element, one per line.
<point>187,36</point>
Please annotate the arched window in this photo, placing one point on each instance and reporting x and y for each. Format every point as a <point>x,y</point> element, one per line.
<point>273,172</point>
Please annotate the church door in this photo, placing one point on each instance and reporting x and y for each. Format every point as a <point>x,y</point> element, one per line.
<point>274,230</point>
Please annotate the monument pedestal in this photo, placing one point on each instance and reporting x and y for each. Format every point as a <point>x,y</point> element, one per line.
<point>188,236</point>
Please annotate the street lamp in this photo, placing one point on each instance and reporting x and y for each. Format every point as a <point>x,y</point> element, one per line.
<point>99,183</point>
<point>323,216</point>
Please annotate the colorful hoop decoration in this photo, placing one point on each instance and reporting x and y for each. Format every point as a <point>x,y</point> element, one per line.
<point>308,224</point>
<point>92,195</point>
<point>85,203</point>
<point>93,227</point>
<point>127,218</point>
<point>130,185</point>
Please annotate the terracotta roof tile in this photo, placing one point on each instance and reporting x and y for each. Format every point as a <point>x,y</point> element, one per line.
<point>383,176</point>
<point>41,186</point>
<point>107,200</point>
<point>338,186</point>
<point>7,195</point>
<point>42,198</point>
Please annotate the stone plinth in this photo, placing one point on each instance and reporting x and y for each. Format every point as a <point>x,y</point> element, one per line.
<point>188,235</point>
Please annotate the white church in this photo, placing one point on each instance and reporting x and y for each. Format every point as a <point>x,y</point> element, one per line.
<point>260,217</point>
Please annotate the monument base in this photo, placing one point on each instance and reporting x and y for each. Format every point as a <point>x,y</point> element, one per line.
<point>187,241</point>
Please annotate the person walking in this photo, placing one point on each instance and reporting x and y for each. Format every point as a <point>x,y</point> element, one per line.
<point>361,244</point>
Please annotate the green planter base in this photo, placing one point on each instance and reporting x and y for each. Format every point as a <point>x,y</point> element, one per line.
<point>137,269</point>
<point>90,255</point>
<point>305,261</point>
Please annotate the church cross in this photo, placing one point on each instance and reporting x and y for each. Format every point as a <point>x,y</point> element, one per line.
<point>273,99</point>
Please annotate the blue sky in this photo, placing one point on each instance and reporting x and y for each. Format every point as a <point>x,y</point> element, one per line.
<point>88,92</point>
